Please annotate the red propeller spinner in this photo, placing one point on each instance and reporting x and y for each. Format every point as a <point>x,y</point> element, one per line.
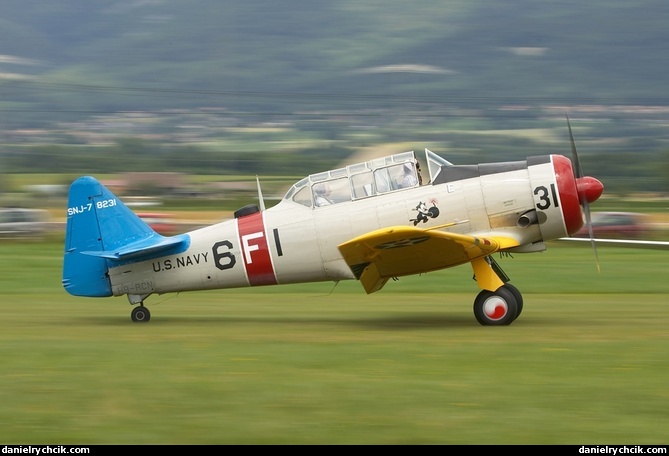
<point>589,189</point>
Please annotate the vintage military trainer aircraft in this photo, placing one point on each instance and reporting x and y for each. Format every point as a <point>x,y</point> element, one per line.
<point>370,221</point>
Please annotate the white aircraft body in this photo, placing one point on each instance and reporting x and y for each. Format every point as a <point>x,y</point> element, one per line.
<point>370,222</point>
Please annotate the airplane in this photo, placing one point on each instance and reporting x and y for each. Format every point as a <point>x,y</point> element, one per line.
<point>372,221</point>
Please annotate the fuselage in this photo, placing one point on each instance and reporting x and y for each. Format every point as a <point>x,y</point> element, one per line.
<point>295,241</point>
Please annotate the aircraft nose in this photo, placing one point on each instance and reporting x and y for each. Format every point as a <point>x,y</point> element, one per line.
<point>589,189</point>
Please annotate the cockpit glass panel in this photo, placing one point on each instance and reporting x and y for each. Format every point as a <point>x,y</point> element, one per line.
<point>362,180</point>
<point>303,197</point>
<point>320,176</point>
<point>383,180</point>
<point>403,157</point>
<point>333,191</point>
<point>341,172</point>
<point>435,163</point>
<point>296,187</point>
<point>362,185</point>
<point>357,168</point>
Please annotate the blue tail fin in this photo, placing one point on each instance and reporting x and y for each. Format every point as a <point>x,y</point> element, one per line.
<point>103,232</point>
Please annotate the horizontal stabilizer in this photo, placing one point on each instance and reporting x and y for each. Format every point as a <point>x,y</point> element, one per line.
<point>143,247</point>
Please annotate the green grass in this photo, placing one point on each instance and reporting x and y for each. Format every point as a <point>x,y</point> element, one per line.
<point>585,363</point>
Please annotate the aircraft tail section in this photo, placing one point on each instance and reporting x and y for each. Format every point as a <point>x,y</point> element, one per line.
<point>102,232</point>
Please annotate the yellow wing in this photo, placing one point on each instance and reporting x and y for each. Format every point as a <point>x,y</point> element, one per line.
<point>398,251</point>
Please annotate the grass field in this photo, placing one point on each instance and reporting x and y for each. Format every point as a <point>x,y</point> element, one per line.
<point>586,363</point>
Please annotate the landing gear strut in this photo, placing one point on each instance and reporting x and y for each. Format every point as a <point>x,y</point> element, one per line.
<point>139,314</point>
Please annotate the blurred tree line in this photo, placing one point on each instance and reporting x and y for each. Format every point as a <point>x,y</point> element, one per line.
<point>621,172</point>
<point>140,155</point>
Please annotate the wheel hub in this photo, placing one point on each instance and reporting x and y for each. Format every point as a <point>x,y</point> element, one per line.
<point>495,308</point>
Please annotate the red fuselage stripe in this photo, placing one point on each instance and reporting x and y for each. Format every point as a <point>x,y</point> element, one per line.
<point>255,250</point>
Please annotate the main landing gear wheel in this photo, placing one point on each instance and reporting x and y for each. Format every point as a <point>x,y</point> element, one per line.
<point>496,308</point>
<point>140,314</point>
<point>517,295</point>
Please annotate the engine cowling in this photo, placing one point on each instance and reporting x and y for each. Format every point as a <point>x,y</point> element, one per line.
<point>560,195</point>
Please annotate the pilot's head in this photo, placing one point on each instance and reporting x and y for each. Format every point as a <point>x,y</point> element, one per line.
<point>322,189</point>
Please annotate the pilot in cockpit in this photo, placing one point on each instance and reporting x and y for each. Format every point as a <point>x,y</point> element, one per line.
<point>322,194</point>
<point>409,179</point>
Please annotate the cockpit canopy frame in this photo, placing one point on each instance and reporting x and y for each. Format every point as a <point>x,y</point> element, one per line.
<point>364,180</point>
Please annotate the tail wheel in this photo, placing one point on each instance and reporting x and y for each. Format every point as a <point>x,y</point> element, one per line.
<point>140,314</point>
<point>496,308</point>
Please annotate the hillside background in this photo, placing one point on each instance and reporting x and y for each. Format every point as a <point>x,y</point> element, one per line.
<point>276,87</point>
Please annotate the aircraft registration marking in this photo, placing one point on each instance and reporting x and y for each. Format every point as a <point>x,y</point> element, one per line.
<point>74,210</point>
<point>146,286</point>
<point>255,250</point>
<point>83,208</point>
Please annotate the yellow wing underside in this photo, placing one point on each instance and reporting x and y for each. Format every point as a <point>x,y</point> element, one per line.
<point>399,251</point>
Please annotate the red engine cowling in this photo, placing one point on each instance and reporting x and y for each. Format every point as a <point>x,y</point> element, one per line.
<point>574,192</point>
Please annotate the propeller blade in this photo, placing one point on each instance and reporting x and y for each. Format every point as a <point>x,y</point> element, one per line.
<point>578,174</point>
<point>588,222</point>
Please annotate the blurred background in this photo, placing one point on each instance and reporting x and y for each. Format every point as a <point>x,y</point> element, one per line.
<point>177,106</point>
